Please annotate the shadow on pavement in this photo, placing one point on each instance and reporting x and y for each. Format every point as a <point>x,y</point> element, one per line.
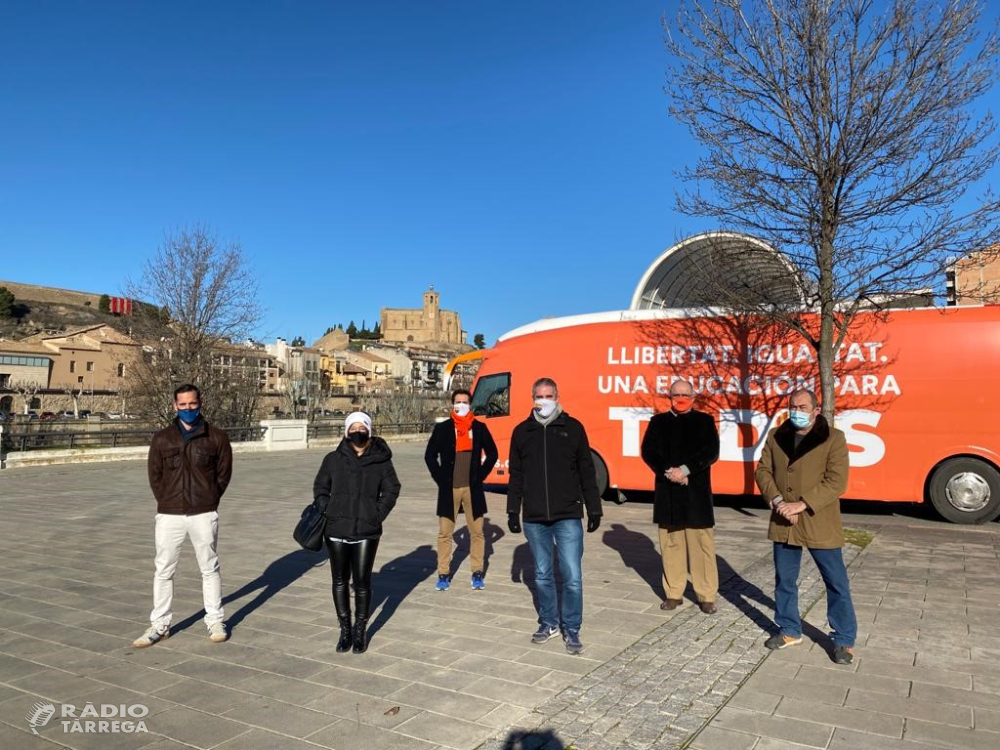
<point>639,554</point>
<point>539,739</point>
<point>396,579</point>
<point>278,575</point>
<point>742,594</point>
<point>522,570</point>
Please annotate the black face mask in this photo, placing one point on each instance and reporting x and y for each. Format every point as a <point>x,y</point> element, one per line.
<point>358,438</point>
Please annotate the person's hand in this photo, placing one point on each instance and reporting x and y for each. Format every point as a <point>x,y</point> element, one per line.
<point>675,475</point>
<point>593,522</point>
<point>790,511</point>
<point>514,523</point>
<point>683,482</point>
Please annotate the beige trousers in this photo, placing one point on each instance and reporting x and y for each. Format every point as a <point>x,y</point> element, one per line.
<point>446,527</point>
<point>687,551</point>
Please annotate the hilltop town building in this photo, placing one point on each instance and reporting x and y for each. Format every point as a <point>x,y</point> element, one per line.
<point>430,324</point>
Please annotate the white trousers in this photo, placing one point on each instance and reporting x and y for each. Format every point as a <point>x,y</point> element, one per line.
<point>170,531</point>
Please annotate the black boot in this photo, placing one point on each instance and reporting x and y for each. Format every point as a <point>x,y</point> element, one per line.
<point>346,634</point>
<point>360,636</point>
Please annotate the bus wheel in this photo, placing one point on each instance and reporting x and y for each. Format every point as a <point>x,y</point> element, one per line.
<point>966,490</point>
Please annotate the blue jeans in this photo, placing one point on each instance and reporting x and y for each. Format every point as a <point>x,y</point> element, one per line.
<point>566,537</point>
<point>839,607</point>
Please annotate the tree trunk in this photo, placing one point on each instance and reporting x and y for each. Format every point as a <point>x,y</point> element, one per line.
<point>827,309</point>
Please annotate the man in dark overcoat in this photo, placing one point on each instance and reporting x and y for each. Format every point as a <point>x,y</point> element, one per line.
<point>460,455</point>
<point>680,447</point>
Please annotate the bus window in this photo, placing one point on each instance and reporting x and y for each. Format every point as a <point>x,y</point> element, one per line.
<point>492,396</point>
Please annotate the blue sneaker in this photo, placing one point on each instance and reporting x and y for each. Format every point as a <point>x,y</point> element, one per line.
<point>443,583</point>
<point>572,640</point>
<point>544,633</point>
<point>477,581</point>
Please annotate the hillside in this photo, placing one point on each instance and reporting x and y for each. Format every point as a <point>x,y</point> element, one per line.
<point>40,308</point>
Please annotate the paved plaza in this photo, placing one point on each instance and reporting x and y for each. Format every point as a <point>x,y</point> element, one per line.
<point>456,669</point>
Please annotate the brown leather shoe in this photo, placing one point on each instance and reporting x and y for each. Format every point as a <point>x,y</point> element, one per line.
<point>671,604</point>
<point>708,608</point>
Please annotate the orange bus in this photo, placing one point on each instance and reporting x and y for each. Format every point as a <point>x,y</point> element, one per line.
<point>916,395</point>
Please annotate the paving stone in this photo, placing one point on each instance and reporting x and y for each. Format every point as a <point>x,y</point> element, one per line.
<point>350,735</point>
<point>938,694</point>
<point>447,702</point>
<point>806,733</point>
<point>928,675</point>
<point>194,727</point>
<point>283,718</point>
<point>987,720</point>
<point>872,683</point>
<point>949,736</point>
<point>871,722</point>
<point>257,739</point>
<point>910,707</point>
<point>848,739</point>
<point>446,731</point>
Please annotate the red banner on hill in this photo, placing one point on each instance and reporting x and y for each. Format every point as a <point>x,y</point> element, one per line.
<point>121,306</point>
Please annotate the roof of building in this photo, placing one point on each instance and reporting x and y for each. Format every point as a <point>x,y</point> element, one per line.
<point>724,261</point>
<point>371,357</point>
<point>99,332</point>
<point>352,369</point>
<point>23,347</point>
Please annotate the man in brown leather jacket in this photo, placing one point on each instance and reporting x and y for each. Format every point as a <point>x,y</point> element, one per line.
<point>190,465</point>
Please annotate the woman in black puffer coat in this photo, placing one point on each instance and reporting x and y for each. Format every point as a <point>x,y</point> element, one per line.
<point>357,485</point>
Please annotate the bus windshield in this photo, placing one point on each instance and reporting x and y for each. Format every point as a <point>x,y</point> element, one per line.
<point>492,396</point>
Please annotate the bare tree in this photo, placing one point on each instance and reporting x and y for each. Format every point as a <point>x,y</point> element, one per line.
<point>26,389</point>
<point>301,391</point>
<point>75,392</point>
<point>199,295</point>
<point>843,137</point>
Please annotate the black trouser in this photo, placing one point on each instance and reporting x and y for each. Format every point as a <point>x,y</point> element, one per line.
<point>352,562</point>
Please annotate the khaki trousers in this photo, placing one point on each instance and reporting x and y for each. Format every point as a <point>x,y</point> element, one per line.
<point>446,527</point>
<point>689,551</point>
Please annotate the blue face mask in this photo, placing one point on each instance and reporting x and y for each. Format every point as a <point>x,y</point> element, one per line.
<point>189,416</point>
<point>800,419</point>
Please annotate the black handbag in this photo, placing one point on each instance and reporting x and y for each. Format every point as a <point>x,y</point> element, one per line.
<point>309,530</point>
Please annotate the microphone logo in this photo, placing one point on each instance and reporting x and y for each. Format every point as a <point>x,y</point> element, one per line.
<point>40,714</point>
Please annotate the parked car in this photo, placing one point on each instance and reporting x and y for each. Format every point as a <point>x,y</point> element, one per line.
<point>67,414</point>
<point>84,413</point>
<point>32,414</point>
<point>114,415</point>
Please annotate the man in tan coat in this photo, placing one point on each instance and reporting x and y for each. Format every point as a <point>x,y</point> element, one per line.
<point>802,474</point>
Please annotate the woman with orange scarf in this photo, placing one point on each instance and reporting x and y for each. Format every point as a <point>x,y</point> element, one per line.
<point>460,455</point>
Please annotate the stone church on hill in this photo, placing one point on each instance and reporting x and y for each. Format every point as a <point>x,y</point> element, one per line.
<point>429,325</point>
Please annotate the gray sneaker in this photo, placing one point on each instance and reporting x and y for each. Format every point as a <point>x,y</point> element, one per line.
<point>572,640</point>
<point>217,632</point>
<point>544,633</point>
<point>151,637</point>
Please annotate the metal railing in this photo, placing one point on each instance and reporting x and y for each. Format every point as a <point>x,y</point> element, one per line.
<point>54,440</point>
<point>319,430</point>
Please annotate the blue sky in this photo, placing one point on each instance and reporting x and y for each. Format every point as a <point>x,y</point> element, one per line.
<point>516,155</point>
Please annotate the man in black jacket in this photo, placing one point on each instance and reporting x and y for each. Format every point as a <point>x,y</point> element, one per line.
<point>680,447</point>
<point>460,455</point>
<point>551,478</point>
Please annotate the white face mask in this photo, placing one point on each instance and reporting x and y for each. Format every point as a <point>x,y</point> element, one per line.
<point>461,409</point>
<point>545,407</point>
